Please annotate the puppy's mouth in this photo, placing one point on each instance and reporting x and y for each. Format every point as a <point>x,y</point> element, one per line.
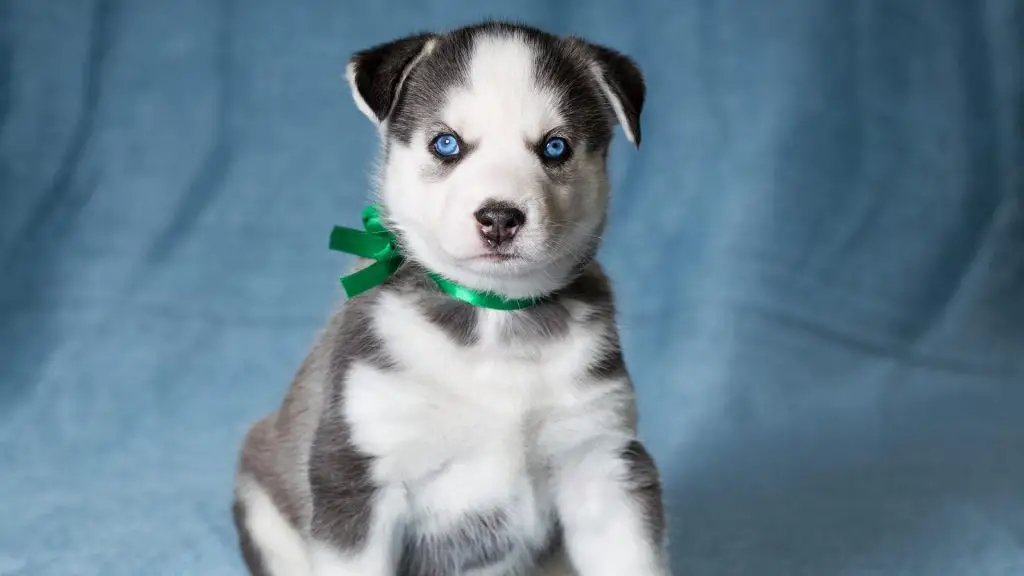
<point>498,260</point>
<point>498,257</point>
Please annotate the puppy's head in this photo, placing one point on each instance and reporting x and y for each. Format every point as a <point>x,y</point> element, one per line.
<point>495,138</point>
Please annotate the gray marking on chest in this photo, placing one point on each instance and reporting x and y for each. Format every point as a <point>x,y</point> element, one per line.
<point>547,320</point>
<point>477,541</point>
<point>551,319</point>
<point>457,319</point>
<point>351,337</point>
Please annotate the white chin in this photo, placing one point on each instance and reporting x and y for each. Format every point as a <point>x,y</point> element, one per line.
<point>517,277</point>
<point>498,266</point>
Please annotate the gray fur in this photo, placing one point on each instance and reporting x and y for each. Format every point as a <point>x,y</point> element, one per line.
<point>610,365</point>
<point>302,454</point>
<point>562,64</point>
<point>331,497</point>
<point>460,549</point>
<point>340,482</point>
<point>548,319</point>
<point>251,554</point>
<point>455,318</point>
<point>644,483</point>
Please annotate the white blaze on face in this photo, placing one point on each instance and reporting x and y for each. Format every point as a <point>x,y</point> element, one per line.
<point>501,113</point>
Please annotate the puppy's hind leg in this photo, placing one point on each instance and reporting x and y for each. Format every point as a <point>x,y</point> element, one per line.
<point>270,545</point>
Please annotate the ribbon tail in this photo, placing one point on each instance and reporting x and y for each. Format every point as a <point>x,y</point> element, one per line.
<point>358,282</point>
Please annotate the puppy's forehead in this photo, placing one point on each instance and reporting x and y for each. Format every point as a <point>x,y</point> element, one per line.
<point>493,79</point>
<point>502,93</point>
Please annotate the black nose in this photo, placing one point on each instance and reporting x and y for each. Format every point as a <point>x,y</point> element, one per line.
<point>499,222</point>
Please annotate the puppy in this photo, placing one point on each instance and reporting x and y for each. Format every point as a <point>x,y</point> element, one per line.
<point>424,434</point>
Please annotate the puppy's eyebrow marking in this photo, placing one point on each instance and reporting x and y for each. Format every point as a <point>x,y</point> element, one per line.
<point>437,127</point>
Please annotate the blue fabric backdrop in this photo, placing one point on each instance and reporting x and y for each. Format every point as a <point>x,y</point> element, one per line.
<point>819,254</point>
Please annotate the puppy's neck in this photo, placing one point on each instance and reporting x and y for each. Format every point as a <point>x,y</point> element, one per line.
<point>587,298</point>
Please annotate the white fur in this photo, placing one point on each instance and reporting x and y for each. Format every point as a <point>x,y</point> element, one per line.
<point>282,547</point>
<point>463,429</point>
<point>500,113</point>
<point>350,77</point>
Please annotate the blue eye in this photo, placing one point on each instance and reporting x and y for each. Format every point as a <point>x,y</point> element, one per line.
<point>446,145</point>
<point>555,148</point>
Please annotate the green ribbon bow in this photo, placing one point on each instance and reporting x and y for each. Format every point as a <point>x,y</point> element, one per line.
<point>377,243</point>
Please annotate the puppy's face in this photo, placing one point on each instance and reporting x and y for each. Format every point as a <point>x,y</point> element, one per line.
<point>495,139</point>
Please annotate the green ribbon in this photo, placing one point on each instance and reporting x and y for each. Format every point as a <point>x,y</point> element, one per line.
<point>377,243</point>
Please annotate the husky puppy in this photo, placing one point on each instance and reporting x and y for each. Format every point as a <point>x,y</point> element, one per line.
<point>425,435</point>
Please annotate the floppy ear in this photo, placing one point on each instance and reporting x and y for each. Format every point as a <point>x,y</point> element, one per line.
<point>622,83</point>
<point>376,74</point>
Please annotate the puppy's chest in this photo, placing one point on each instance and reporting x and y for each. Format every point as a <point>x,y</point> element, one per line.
<point>463,413</point>
<point>461,430</point>
<point>466,406</point>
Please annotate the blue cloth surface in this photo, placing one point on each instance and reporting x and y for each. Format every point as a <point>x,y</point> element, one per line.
<point>818,254</point>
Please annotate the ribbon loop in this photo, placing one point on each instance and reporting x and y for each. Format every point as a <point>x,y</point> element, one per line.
<point>375,243</point>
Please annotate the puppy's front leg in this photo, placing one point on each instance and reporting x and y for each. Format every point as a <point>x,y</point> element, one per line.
<point>359,550</point>
<point>609,501</point>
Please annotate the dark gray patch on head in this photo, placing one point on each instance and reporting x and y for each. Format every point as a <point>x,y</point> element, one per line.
<point>644,484</point>
<point>428,83</point>
<point>477,541</point>
<point>251,554</point>
<point>340,481</point>
<point>562,66</point>
<point>625,80</point>
<point>564,69</point>
<point>379,70</point>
